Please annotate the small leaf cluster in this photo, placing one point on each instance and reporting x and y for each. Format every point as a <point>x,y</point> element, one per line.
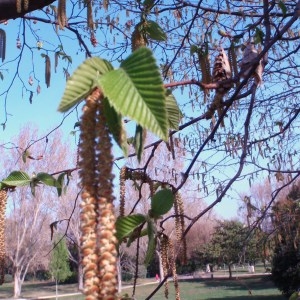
<point>134,90</point>
<point>134,226</point>
<point>20,178</point>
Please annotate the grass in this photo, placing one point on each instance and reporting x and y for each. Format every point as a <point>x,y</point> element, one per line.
<point>261,288</point>
<point>195,289</point>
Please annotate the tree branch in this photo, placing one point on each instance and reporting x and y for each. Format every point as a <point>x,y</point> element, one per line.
<point>8,8</point>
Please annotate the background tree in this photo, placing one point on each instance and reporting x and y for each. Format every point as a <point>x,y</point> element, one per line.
<point>59,266</point>
<point>67,220</point>
<point>231,245</point>
<point>28,236</point>
<point>286,259</point>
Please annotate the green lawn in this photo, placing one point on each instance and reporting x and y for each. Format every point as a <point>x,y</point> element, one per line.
<point>261,289</point>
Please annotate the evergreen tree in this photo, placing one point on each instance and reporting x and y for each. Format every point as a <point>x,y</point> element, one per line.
<point>59,264</point>
<point>286,260</point>
<point>230,244</point>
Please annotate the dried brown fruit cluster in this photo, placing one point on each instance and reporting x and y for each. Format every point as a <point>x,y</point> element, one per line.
<point>221,72</point>
<point>3,198</point>
<point>98,241</point>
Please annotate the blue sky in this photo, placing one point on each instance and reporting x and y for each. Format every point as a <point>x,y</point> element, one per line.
<point>43,110</point>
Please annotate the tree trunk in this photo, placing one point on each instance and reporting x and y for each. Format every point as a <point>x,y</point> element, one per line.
<point>161,269</point>
<point>8,8</point>
<point>17,283</point>
<point>80,277</point>
<point>230,271</point>
<point>119,275</point>
<point>56,293</point>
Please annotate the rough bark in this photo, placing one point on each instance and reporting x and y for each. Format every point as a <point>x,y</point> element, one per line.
<point>8,8</point>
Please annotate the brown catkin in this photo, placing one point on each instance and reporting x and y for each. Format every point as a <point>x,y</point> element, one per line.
<point>173,268</point>
<point>3,198</point>
<point>122,190</point>
<point>26,4</point>
<point>90,20</point>
<point>180,226</point>
<point>47,70</point>
<point>151,187</point>
<point>61,14</point>
<point>233,60</point>
<point>19,6</point>
<point>107,242</point>
<point>88,216</point>
<point>164,242</point>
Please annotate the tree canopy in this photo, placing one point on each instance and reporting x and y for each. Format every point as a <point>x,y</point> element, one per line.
<point>230,244</point>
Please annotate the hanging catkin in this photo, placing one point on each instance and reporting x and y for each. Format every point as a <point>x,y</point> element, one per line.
<point>180,226</point>
<point>98,241</point>
<point>122,191</point>
<point>90,20</point>
<point>61,14</point>
<point>106,232</point>
<point>47,70</point>
<point>2,44</point>
<point>164,241</point>
<point>3,198</point>
<point>88,216</point>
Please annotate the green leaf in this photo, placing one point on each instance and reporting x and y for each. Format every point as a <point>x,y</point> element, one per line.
<point>173,112</point>
<point>154,31</point>
<point>82,82</point>
<point>136,234</point>
<point>139,139</point>
<point>161,203</point>
<point>282,7</point>
<point>126,225</point>
<point>77,124</point>
<point>116,126</point>
<point>136,90</point>
<point>149,3</point>
<point>194,49</point>
<point>17,178</point>
<point>60,181</point>
<point>32,187</point>
<point>24,156</point>
<point>47,179</point>
<point>259,36</point>
<point>151,242</point>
